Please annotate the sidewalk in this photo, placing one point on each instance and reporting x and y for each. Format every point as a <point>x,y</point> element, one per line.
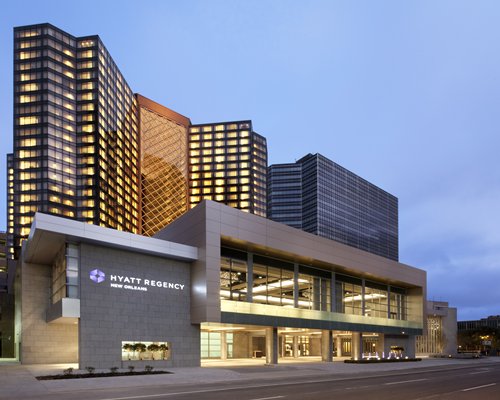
<point>17,381</point>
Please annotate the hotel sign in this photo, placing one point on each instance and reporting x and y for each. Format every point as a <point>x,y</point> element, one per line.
<point>125,282</point>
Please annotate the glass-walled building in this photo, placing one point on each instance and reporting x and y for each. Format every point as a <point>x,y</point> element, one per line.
<point>284,194</point>
<point>164,165</point>
<point>321,197</point>
<point>228,164</point>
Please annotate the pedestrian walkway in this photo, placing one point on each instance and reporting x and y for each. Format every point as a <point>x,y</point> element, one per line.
<point>18,381</point>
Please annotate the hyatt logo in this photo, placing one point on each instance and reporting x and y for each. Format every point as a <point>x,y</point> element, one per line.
<point>97,275</point>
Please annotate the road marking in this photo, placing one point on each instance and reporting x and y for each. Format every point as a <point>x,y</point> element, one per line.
<point>399,383</point>
<point>478,372</point>
<point>148,396</point>
<point>269,398</point>
<point>478,387</point>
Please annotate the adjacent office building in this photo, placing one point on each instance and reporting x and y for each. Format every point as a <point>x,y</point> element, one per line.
<point>215,283</point>
<point>321,197</point>
<point>492,322</point>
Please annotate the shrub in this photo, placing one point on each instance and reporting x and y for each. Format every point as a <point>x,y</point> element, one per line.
<point>68,371</point>
<point>148,368</point>
<point>90,370</point>
<point>131,368</point>
<point>114,370</point>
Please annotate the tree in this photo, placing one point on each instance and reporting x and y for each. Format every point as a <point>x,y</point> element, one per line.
<point>153,348</point>
<point>141,348</point>
<point>128,348</point>
<point>163,348</point>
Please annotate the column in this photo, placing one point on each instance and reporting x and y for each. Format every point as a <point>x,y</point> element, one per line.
<point>295,347</point>
<point>326,346</point>
<point>338,341</point>
<point>381,346</point>
<point>363,302</point>
<point>249,277</point>
<point>272,345</point>
<point>223,346</point>
<point>296,285</point>
<point>357,346</point>
<point>333,299</point>
<point>410,347</point>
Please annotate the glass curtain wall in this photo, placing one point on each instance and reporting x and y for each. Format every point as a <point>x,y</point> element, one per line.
<point>314,289</point>
<point>273,282</point>
<point>282,283</point>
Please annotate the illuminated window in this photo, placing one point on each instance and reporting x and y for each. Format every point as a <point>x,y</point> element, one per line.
<point>86,54</point>
<point>88,128</point>
<point>28,120</point>
<point>207,129</point>
<point>88,86</point>
<point>29,87</point>
<point>85,75</point>
<point>86,43</point>
<point>28,142</point>
<point>26,99</point>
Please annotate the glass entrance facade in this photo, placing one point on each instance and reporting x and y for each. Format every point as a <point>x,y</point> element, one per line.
<point>256,278</point>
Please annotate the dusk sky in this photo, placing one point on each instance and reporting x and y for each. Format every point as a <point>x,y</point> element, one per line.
<point>405,94</point>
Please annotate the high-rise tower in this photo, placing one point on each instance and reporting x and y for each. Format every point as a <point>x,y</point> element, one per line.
<point>321,197</point>
<point>164,165</point>
<point>76,133</point>
<point>228,164</point>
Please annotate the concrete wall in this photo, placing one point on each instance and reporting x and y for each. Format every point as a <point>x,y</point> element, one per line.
<point>111,315</point>
<point>43,343</point>
<point>450,332</point>
<point>241,345</point>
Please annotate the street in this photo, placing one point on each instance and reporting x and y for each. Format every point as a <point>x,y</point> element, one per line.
<point>456,382</point>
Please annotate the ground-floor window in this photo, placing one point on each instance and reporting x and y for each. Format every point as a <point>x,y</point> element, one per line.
<point>212,342</point>
<point>137,350</point>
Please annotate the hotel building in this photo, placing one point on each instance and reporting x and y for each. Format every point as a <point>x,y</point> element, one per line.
<point>87,148</point>
<point>215,283</point>
<point>76,134</point>
<point>163,165</point>
<point>228,164</point>
<point>321,197</point>
<point>204,280</point>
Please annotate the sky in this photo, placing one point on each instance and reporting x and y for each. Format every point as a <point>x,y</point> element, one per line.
<point>405,94</point>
